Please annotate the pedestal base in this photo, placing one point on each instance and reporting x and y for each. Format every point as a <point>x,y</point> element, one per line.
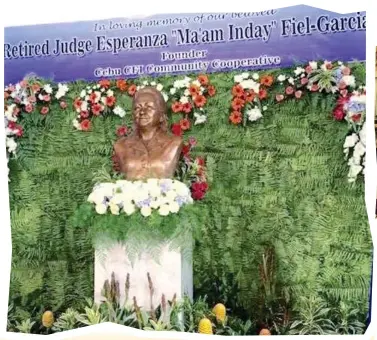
<point>170,275</point>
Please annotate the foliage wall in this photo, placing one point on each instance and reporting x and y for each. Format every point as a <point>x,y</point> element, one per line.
<point>277,184</point>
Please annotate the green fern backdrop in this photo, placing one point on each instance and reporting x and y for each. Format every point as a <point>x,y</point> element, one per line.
<point>280,183</point>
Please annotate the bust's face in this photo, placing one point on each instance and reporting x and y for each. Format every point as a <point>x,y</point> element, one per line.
<point>146,111</point>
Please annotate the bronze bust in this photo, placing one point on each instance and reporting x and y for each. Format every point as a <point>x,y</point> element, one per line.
<point>150,152</point>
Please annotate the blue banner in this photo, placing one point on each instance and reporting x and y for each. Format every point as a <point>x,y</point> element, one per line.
<point>182,43</point>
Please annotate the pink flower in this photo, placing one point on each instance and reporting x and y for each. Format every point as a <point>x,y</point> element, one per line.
<point>46,98</point>
<point>298,94</point>
<point>279,97</point>
<point>29,108</point>
<point>338,113</point>
<point>342,85</point>
<point>346,71</point>
<point>32,99</point>
<point>289,90</point>
<point>304,81</point>
<point>308,69</point>
<point>45,110</point>
<point>314,88</point>
<point>63,105</point>
<point>343,92</point>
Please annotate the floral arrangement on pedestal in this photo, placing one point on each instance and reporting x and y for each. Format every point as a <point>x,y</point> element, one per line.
<point>251,91</point>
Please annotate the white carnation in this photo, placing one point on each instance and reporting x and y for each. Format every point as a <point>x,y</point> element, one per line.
<point>101,209</point>
<point>174,207</point>
<point>254,114</point>
<point>164,210</point>
<point>351,141</point>
<point>129,208</point>
<point>238,78</point>
<point>146,211</point>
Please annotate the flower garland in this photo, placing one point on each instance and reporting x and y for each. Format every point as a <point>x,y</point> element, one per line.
<point>189,98</point>
<point>251,90</point>
<point>25,98</point>
<point>164,196</point>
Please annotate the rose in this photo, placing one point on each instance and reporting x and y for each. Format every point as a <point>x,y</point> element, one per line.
<point>279,97</point>
<point>289,90</point>
<point>298,94</point>
<point>63,105</point>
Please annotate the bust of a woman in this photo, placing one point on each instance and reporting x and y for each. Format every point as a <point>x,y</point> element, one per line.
<point>150,152</point>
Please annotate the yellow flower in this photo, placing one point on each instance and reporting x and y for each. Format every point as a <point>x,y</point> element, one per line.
<point>220,311</point>
<point>48,319</point>
<point>264,331</point>
<point>205,326</point>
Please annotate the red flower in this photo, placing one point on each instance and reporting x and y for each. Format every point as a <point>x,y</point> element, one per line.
<point>236,117</point>
<point>346,71</point>
<point>203,79</point>
<point>298,94</point>
<point>19,131</point>
<point>187,107</point>
<point>186,149</point>
<point>77,103</point>
<point>84,114</point>
<point>121,85</point>
<point>63,105</point>
<point>85,125</point>
<point>176,107</point>
<point>177,130</point>
<point>185,124</point>
<point>97,109</point>
<point>44,110</point>
<point>11,125</point>
<point>121,131</point>
<point>200,161</point>
<point>314,88</point>
<point>104,83</point>
<point>29,108</point>
<point>262,94</point>
<point>200,101</point>
<point>342,101</point>
<point>110,101</point>
<point>237,104</point>
<point>93,97</point>
<point>211,91</point>
<point>308,69</point>
<point>289,90</point>
<point>356,118</point>
<point>197,195</point>
<point>266,80</point>
<point>279,97</point>
<point>338,113</point>
<point>132,90</point>
<point>304,81</point>
<point>237,91</point>
<point>198,190</point>
<point>250,96</point>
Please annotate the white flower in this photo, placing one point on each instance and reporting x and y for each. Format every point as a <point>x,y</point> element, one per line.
<point>165,96</point>
<point>103,100</point>
<point>129,208</point>
<point>145,83</point>
<point>159,87</point>
<point>114,208</point>
<point>184,100</point>
<point>155,203</point>
<point>119,111</point>
<point>110,93</point>
<point>199,119</point>
<point>47,88</point>
<point>153,83</point>
<point>101,209</point>
<point>281,78</point>
<point>11,144</point>
<point>254,114</point>
<point>146,211</point>
<point>255,76</point>
<point>264,108</point>
<point>291,81</point>
<point>238,78</point>
<point>186,93</point>
<point>298,71</point>
<point>174,207</point>
<point>164,210</point>
<point>76,124</point>
<point>178,84</point>
<point>250,84</point>
<point>351,141</point>
<point>171,195</point>
<point>102,90</point>
<point>196,83</point>
<point>40,96</point>
<point>173,90</point>
<point>313,65</point>
<point>353,172</point>
<point>349,80</point>
<point>84,106</point>
<point>245,75</point>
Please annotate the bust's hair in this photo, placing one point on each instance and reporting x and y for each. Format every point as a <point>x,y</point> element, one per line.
<point>161,105</point>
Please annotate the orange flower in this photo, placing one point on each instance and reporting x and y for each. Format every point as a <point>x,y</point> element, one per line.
<point>203,79</point>
<point>92,97</point>
<point>237,104</point>
<point>185,124</point>
<point>236,117</point>
<point>85,125</point>
<point>121,84</point>
<point>200,101</point>
<point>104,83</point>
<point>132,90</point>
<point>262,94</point>
<point>176,107</point>
<point>266,80</point>
<point>110,101</point>
<point>211,90</point>
<point>194,90</point>
<point>237,91</point>
<point>250,96</point>
<point>186,107</point>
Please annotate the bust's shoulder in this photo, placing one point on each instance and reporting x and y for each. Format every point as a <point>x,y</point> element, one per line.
<point>175,141</point>
<point>123,142</point>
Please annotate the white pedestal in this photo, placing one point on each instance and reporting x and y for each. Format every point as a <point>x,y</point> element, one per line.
<point>171,274</point>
